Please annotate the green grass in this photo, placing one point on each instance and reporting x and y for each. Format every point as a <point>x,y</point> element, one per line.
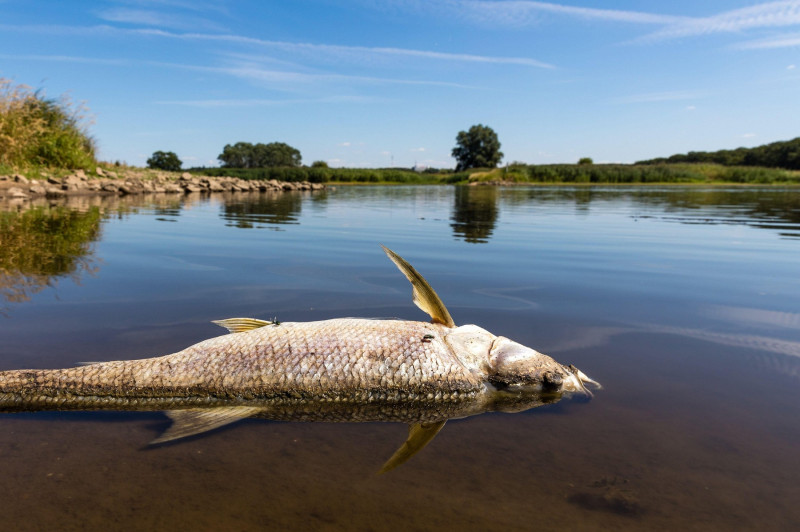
<point>637,174</point>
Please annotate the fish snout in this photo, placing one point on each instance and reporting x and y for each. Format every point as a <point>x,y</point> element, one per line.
<point>578,381</point>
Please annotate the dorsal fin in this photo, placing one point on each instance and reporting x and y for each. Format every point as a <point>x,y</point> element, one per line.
<point>236,325</point>
<point>424,296</point>
<point>419,435</point>
<point>193,421</point>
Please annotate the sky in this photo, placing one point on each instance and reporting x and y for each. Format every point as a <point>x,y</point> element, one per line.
<point>379,83</point>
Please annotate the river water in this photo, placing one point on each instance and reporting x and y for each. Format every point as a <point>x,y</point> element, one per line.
<point>684,302</point>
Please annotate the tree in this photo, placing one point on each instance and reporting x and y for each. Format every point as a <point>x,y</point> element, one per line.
<point>319,164</point>
<point>247,155</point>
<point>477,148</point>
<point>275,154</point>
<point>237,156</point>
<point>585,160</point>
<point>164,160</point>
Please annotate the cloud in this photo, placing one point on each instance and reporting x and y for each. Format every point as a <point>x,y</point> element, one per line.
<point>355,54</point>
<point>768,15</point>
<point>791,67</point>
<point>418,150</point>
<point>149,17</point>
<point>272,78</point>
<point>776,41</point>
<point>667,96</point>
<point>516,13</point>
<point>748,135</point>
<point>64,59</point>
<point>259,102</point>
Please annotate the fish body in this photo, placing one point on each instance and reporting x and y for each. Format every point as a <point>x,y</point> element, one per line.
<point>339,360</point>
<point>345,369</point>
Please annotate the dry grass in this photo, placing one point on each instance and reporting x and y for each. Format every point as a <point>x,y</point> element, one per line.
<point>36,131</point>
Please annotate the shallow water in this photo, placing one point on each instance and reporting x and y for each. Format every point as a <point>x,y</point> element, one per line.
<point>681,301</point>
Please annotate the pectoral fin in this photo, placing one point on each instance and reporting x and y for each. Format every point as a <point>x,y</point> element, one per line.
<point>424,296</point>
<point>198,420</point>
<point>419,435</point>
<point>236,325</point>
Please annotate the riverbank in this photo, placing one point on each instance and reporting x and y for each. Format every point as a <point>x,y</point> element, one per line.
<point>133,181</point>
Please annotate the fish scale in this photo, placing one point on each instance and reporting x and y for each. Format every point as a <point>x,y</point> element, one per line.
<point>335,360</point>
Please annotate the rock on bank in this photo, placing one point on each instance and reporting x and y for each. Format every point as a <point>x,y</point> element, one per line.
<point>127,182</point>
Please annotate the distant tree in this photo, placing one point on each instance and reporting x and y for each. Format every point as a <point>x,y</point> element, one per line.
<point>477,148</point>
<point>237,155</point>
<point>164,160</point>
<point>276,154</point>
<point>585,160</point>
<point>247,155</point>
<point>319,164</point>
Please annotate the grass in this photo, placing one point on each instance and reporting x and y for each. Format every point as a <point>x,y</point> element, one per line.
<point>682,173</point>
<point>36,131</point>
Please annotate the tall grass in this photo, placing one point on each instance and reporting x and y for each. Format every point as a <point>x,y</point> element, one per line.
<point>38,131</point>
<point>638,174</point>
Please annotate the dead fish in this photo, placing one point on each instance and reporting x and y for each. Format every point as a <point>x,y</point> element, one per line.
<point>356,369</point>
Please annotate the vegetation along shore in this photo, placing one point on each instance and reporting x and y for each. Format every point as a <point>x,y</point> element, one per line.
<point>46,150</point>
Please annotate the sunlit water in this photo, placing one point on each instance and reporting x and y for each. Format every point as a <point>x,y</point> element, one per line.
<point>682,302</point>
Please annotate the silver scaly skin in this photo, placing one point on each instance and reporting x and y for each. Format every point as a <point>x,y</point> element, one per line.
<point>340,360</point>
<point>335,370</point>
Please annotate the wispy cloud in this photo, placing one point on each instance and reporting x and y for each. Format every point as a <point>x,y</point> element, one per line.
<point>667,96</point>
<point>523,12</point>
<point>782,13</point>
<point>356,54</point>
<point>165,13</point>
<point>64,59</point>
<point>265,76</point>
<point>260,102</point>
<point>776,41</point>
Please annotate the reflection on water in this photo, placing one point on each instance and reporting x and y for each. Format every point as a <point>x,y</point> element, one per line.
<point>682,301</point>
<point>42,244</point>
<point>777,209</point>
<point>475,213</point>
<point>257,210</point>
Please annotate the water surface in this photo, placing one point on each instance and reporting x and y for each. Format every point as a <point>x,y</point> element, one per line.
<point>682,301</point>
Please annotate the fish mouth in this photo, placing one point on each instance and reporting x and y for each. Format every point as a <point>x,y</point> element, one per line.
<point>581,380</point>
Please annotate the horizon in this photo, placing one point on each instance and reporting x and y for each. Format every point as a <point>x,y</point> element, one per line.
<point>390,84</point>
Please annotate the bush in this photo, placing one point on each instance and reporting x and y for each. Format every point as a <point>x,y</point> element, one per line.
<point>36,131</point>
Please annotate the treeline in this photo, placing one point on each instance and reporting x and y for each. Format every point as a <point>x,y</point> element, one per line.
<point>316,174</point>
<point>783,154</point>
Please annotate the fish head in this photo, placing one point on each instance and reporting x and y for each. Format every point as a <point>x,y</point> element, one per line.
<point>514,367</point>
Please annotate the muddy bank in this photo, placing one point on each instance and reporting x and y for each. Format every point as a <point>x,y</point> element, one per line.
<point>132,182</point>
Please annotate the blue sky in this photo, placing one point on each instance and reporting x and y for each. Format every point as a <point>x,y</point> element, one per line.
<point>374,83</point>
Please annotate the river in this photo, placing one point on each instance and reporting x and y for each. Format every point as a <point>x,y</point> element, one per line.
<point>682,301</point>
